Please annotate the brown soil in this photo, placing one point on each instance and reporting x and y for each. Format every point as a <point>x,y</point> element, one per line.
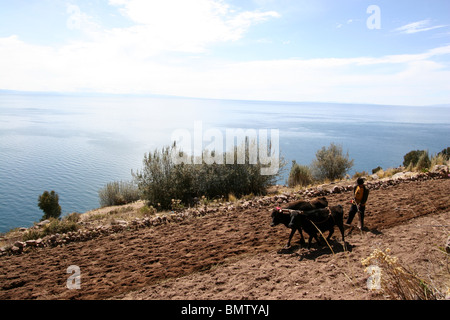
<point>237,255</point>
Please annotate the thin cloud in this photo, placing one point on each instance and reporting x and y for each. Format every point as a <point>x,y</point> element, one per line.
<point>187,26</point>
<point>391,79</point>
<point>132,60</point>
<point>418,26</point>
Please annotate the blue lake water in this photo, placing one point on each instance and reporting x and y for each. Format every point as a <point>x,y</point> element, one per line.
<point>76,144</point>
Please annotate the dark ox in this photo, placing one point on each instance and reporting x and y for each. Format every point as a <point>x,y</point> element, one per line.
<point>285,218</point>
<point>319,219</point>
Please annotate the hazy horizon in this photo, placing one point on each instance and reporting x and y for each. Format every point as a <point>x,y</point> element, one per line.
<point>152,95</point>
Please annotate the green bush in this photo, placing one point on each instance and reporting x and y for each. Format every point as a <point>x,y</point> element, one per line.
<point>49,203</point>
<point>300,175</point>
<point>118,193</point>
<point>376,169</point>
<point>331,163</point>
<point>162,180</point>
<point>73,217</point>
<point>412,157</point>
<point>419,159</point>
<point>424,162</point>
<point>147,211</point>
<point>445,154</point>
<point>60,226</point>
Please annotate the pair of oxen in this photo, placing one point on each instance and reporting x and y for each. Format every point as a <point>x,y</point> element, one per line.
<point>314,217</point>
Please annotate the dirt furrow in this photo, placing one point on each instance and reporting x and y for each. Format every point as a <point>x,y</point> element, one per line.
<point>118,263</point>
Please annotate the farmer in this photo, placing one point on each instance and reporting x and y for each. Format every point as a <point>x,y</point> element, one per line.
<point>361,194</point>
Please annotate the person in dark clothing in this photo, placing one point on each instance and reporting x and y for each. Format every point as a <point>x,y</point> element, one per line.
<point>361,194</point>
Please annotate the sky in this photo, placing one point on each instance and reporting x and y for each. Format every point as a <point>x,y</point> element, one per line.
<point>346,51</point>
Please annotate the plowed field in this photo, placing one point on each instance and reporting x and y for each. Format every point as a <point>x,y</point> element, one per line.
<point>237,255</point>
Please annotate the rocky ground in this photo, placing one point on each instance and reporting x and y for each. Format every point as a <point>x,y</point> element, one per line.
<point>232,252</point>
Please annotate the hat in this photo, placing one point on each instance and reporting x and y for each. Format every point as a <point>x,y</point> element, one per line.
<point>360,181</point>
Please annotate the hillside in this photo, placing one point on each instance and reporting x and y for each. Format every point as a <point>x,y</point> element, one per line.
<point>233,253</point>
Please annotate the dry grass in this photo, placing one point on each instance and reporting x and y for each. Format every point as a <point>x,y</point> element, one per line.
<point>105,215</point>
<point>388,172</point>
<point>397,281</point>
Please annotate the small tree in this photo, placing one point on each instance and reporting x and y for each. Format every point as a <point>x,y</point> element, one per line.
<point>162,180</point>
<point>330,163</point>
<point>48,202</point>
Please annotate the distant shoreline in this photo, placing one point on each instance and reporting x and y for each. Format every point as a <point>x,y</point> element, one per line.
<point>150,95</point>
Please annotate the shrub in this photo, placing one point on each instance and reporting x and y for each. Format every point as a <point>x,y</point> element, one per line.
<point>118,193</point>
<point>412,157</point>
<point>417,160</point>
<point>445,153</point>
<point>331,164</point>
<point>60,226</point>
<point>232,197</point>
<point>162,180</point>
<point>64,225</point>
<point>73,217</point>
<point>299,175</point>
<point>442,158</point>
<point>438,159</point>
<point>32,234</point>
<point>376,169</point>
<point>177,205</point>
<point>49,203</point>
<point>424,162</point>
<point>146,210</point>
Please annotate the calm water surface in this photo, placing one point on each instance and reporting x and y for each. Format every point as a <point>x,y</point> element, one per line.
<point>76,144</point>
